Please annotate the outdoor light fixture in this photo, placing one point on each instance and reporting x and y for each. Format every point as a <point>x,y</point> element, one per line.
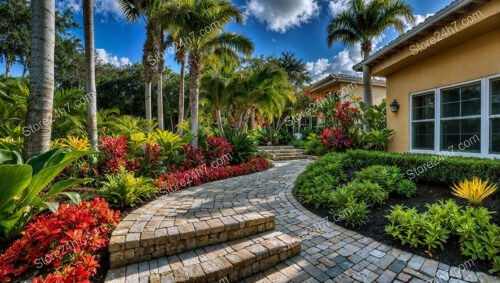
<point>394,106</point>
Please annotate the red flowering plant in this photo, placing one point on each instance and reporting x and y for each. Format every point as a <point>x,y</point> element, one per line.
<point>66,244</point>
<point>147,160</point>
<point>218,152</point>
<point>113,153</point>
<point>345,122</point>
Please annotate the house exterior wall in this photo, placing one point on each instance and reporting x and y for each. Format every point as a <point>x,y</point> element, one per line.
<point>475,58</point>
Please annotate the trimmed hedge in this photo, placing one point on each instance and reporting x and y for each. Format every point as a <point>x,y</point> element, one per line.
<point>439,169</point>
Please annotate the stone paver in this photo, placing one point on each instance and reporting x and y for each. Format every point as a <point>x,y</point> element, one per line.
<point>329,253</point>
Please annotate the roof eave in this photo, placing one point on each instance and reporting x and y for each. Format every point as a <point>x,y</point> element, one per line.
<point>415,31</point>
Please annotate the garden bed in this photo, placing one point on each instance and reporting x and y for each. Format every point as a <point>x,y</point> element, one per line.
<point>384,203</point>
<point>426,194</point>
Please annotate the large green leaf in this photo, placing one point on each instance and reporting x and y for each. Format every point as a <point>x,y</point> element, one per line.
<point>62,185</point>
<point>10,157</point>
<point>73,196</point>
<point>52,168</point>
<point>40,161</point>
<point>14,180</point>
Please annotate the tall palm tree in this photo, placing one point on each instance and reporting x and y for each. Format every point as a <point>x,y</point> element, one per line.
<point>90,88</point>
<point>204,20</point>
<point>174,39</point>
<point>133,10</point>
<point>264,89</point>
<point>39,117</point>
<point>215,82</point>
<point>364,20</point>
<point>161,66</point>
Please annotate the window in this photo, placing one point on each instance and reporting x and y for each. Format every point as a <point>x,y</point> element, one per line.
<point>495,116</point>
<point>423,112</point>
<point>461,118</point>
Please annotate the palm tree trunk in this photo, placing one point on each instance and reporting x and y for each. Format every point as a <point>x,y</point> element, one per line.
<point>8,66</point>
<point>194,93</point>
<point>253,120</point>
<point>159,98</point>
<point>218,118</point>
<point>148,52</point>
<point>39,118</point>
<point>367,81</point>
<point>91,96</point>
<point>181,96</point>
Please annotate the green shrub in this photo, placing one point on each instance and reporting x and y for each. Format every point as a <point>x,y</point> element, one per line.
<point>315,185</point>
<point>340,198</point>
<point>369,192</point>
<point>243,146</point>
<point>313,145</point>
<point>124,190</point>
<point>406,188</point>
<point>356,214</point>
<point>496,265</point>
<point>478,237</point>
<point>387,177</point>
<point>430,168</point>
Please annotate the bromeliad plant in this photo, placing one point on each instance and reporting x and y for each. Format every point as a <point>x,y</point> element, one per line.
<point>474,191</point>
<point>22,188</point>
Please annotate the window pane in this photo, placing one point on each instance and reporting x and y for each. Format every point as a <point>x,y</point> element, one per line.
<point>461,135</point>
<point>423,135</point>
<point>460,102</point>
<point>495,135</point>
<point>423,107</point>
<point>495,97</point>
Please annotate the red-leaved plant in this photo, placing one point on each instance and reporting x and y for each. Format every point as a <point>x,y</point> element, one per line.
<point>202,174</point>
<point>66,244</point>
<point>113,152</point>
<point>335,138</point>
<point>219,151</point>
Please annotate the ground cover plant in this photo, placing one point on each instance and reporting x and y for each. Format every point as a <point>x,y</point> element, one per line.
<point>452,223</point>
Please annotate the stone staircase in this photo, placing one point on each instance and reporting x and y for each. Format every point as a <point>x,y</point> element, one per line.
<point>224,249</point>
<point>282,153</point>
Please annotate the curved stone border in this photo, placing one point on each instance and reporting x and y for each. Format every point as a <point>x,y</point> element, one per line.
<point>329,254</point>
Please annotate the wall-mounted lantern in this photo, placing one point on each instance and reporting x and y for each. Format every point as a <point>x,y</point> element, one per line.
<point>394,106</point>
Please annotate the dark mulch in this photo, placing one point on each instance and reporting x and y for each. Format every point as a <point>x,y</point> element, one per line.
<point>426,194</point>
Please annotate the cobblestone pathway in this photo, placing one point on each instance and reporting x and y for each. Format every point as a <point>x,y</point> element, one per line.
<point>330,254</point>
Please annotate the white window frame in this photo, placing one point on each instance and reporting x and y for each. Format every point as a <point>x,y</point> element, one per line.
<point>488,115</point>
<point>484,116</point>
<point>420,93</point>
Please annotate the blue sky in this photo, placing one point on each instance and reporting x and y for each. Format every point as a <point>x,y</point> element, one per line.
<point>273,25</point>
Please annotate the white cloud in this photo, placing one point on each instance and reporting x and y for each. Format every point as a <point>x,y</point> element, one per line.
<point>418,20</point>
<point>337,6</point>
<point>340,63</point>
<point>103,8</point>
<point>281,15</point>
<point>107,58</point>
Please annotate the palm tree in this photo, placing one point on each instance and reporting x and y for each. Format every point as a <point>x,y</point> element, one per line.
<point>265,89</point>
<point>91,96</point>
<point>175,38</point>
<point>133,9</point>
<point>37,132</point>
<point>215,82</point>
<point>204,21</point>
<point>161,66</point>
<point>364,20</point>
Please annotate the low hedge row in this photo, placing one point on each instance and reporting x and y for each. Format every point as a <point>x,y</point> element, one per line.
<point>441,169</point>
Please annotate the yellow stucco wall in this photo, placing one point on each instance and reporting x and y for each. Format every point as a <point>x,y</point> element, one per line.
<point>357,89</point>
<point>475,58</point>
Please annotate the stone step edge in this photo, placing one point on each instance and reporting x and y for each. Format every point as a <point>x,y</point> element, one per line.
<point>137,247</point>
<point>237,265</point>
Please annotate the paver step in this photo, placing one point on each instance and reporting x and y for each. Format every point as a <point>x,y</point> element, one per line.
<point>285,158</point>
<point>164,241</point>
<point>278,151</point>
<point>272,147</point>
<point>227,262</point>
